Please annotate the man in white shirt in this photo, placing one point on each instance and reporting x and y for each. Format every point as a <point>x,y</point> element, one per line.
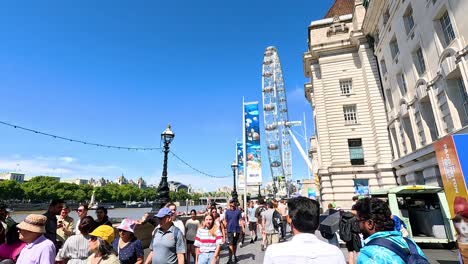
<point>177,223</point>
<point>304,247</point>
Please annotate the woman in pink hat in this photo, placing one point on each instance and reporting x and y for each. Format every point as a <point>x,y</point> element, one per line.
<point>128,247</point>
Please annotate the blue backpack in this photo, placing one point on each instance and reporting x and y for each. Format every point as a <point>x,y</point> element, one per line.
<point>410,256</point>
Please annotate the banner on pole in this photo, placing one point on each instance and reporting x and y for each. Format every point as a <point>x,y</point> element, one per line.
<point>252,144</point>
<point>453,163</point>
<point>361,187</point>
<point>240,165</point>
<point>452,158</point>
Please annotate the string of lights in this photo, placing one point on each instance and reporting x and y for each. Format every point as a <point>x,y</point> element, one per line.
<point>78,140</point>
<point>195,169</point>
<point>107,146</point>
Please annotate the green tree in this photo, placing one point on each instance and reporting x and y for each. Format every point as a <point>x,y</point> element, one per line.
<point>101,194</point>
<point>40,188</point>
<point>10,190</point>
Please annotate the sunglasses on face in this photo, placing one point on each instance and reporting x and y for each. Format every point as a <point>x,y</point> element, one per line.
<point>80,210</point>
<point>92,238</point>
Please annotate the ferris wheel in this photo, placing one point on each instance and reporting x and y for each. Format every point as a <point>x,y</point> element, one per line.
<point>275,116</point>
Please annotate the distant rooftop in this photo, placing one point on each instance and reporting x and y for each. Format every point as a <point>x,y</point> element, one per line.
<point>340,7</point>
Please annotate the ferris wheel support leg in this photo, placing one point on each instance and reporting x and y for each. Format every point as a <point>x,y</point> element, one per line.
<point>301,150</point>
<point>306,159</point>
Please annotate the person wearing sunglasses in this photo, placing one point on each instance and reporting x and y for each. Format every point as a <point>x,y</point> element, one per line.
<point>128,247</point>
<point>100,246</point>
<point>82,213</point>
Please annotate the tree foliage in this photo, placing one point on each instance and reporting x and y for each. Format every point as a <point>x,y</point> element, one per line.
<point>43,189</point>
<point>10,190</point>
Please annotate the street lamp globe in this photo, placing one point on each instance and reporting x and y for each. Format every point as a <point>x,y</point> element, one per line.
<point>167,135</point>
<point>234,165</point>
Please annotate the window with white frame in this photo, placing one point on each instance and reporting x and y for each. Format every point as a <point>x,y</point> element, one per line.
<point>389,98</point>
<point>463,94</point>
<point>386,17</point>
<point>383,67</point>
<point>408,19</point>
<point>394,48</point>
<point>419,61</point>
<point>350,115</point>
<point>447,28</point>
<point>402,84</point>
<point>356,153</point>
<point>346,86</point>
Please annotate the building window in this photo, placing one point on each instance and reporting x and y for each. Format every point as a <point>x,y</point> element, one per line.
<point>402,84</point>
<point>419,178</point>
<point>419,61</point>
<point>463,94</point>
<point>389,98</point>
<point>350,115</point>
<point>356,154</point>
<point>408,19</point>
<point>394,48</point>
<point>383,67</point>
<point>447,28</point>
<point>386,17</point>
<point>346,86</point>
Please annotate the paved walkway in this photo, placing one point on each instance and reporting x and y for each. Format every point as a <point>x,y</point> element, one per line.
<point>252,254</point>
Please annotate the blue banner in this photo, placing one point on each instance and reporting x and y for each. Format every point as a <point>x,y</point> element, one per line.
<point>240,165</point>
<point>361,187</point>
<point>252,144</point>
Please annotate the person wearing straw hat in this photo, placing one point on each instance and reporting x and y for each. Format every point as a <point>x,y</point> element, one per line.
<point>128,247</point>
<point>38,249</point>
<point>100,245</point>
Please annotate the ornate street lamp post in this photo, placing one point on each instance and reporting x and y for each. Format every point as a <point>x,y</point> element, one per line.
<point>162,197</point>
<point>234,191</point>
<point>259,193</point>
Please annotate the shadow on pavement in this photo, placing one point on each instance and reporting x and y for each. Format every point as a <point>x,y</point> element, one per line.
<point>246,256</point>
<point>448,262</point>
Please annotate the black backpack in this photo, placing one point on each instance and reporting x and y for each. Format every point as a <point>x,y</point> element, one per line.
<point>410,256</point>
<point>348,226</point>
<point>276,220</point>
<point>258,212</point>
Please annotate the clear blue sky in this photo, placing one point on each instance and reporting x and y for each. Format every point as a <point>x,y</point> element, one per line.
<point>117,72</point>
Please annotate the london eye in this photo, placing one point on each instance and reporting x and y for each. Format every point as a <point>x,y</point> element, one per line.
<point>275,116</point>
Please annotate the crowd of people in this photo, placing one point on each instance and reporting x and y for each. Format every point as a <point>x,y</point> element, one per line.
<point>55,237</point>
<point>371,234</point>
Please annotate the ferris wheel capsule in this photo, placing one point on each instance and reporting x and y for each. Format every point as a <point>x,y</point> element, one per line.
<point>275,118</point>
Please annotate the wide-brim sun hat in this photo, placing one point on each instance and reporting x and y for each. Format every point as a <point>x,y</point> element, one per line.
<point>104,232</point>
<point>33,223</point>
<point>127,225</point>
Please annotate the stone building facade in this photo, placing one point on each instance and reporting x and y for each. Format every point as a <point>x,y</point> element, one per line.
<point>351,139</point>
<point>422,53</point>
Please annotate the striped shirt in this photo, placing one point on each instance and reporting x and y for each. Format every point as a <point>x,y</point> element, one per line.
<point>207,242</point>
<point>75,249</point>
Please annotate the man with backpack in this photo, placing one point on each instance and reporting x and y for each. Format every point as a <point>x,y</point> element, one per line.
<point>271,221</point>
<point>349,233</point>
<point>382,244</point>
<point>258,214</point>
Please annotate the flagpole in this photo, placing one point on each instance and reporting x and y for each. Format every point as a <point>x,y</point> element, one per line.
<point>244,154</point>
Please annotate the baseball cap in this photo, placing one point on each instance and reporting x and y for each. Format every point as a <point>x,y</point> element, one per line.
<point>104,232</point>
<point>164,212</point>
